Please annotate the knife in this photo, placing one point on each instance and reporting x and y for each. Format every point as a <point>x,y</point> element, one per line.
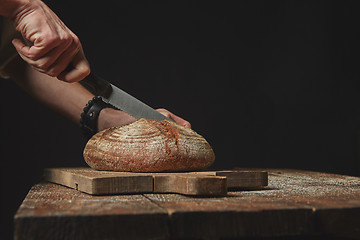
<point>115,96</point>
<point>120,99</point>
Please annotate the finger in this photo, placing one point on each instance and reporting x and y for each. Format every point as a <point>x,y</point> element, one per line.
<point>181,121</point>
<point>48,64</point>
<point>62,61</point>
<point>37,50</point>
<point>186,124</point>
<point>54,62</point>
<point>172,116</point>
<point>164,112</point>
<point>31,63</point>
<point>24,57</point>
<point>20,46</point>
<point>80,69</point>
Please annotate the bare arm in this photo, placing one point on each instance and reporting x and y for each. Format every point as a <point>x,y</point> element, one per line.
<point>65,98</point>
<point>68,99</point>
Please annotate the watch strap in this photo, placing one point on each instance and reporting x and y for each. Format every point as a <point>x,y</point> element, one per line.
<point>90,115</point>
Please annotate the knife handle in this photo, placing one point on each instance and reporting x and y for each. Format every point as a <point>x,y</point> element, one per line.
<point>94,84</point>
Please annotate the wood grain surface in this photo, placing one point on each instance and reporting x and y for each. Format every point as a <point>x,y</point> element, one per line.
<point>296,203</point>
<point>100,182</point>
<point>189,183</point>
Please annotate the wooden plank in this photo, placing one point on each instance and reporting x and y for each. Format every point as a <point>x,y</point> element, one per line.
<point>240,179</point>
<point>233,217</point>
<point>245,179</point>
<point>100,182</point>
<point>55,212</point>
<point>190,184</point>
<point>293,204</point>
<point>335,199</point>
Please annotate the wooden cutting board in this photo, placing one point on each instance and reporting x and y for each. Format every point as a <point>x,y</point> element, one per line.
<point>189,183</point>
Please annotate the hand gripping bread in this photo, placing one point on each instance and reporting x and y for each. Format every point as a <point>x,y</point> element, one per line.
<point>148,146</point>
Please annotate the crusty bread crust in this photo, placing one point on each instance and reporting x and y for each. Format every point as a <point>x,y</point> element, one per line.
<point>148,146</point>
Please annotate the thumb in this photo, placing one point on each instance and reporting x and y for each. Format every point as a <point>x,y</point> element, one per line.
<point>20,47</point>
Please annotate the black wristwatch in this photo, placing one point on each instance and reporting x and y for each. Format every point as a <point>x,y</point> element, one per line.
<point>90,115</point>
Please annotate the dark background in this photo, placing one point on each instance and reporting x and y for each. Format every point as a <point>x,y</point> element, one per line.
<point>270,84</point>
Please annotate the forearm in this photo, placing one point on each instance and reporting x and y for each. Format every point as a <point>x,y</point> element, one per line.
<point>68,99</point>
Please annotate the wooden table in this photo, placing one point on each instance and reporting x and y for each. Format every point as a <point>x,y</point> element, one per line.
<point>295,203</point>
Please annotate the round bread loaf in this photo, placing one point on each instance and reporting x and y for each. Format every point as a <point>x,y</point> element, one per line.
<point>148,146</point>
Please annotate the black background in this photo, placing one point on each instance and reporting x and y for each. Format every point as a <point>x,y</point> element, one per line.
<point>270,84</point>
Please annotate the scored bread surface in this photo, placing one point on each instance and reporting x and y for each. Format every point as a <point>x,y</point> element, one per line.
<point>148,146</point>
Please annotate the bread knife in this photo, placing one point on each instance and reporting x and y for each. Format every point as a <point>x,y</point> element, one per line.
<point>120,99</point>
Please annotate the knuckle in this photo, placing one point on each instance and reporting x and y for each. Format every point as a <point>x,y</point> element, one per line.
<point>65,41</point>
<point>30,58</point>
<point>75,45</point>
<point>76,41</point>
<point>68,39</point>
<point>33,56</point>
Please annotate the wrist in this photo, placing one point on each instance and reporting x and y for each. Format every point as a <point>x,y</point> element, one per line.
<point>98,115</point>
<point>89,118</point>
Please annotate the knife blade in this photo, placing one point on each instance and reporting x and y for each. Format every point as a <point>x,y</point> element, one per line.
<point>115,96</point>
<point>120,99</point>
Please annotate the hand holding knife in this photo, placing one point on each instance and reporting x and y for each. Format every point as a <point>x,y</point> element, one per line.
<point>110,93</point>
